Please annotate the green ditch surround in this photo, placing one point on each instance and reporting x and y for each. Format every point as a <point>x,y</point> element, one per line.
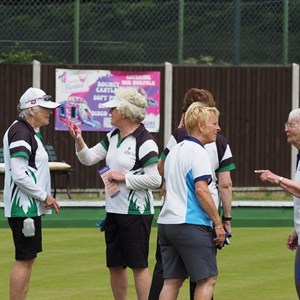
<point>241,217</point>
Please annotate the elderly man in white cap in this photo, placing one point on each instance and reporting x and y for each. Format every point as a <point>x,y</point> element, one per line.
<point>131,154</point>
<point>27,189</point>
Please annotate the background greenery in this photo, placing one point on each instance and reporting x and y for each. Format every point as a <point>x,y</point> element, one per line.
<point>256,265</point>
<point>150,31</point>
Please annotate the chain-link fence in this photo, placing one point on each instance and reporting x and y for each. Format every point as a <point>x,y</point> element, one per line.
<point>145,31</point>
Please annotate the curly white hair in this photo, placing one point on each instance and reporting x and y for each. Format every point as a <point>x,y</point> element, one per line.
<point>135,105</point>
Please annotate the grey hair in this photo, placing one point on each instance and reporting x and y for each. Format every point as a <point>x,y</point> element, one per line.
<point>135,105</point>
<point>294,114</point>
<point>25,114</point>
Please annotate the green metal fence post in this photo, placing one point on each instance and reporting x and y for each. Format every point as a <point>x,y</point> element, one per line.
<point>76,32</point>
<point>180,31</point>
<point>237,33</point>
<point>285,31</point>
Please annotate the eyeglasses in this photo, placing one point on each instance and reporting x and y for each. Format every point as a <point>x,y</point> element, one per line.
<point>290,125</point>
<point>44,98</point>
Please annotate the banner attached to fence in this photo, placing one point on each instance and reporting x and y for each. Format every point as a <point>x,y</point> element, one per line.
<point>82,92</point>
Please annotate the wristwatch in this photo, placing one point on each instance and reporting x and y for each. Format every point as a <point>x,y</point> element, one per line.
<point>226,218</point>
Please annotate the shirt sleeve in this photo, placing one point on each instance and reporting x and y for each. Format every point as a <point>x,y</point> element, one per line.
<point>90,156</point>
<point>225,157</point>
<point>226,163</point>
<point>201,168</point>
<point>149,180</point>
<point>177,136</point>
<point>22,179</point>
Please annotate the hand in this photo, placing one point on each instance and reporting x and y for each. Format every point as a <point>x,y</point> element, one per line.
<point>268,176</point>
<point>227,227</point>
<point>50,202</point>
<point>74,130</point>
<point>220,236</point>
<point>116,176</point>
<point>291,243</point>
<point>292,240</point>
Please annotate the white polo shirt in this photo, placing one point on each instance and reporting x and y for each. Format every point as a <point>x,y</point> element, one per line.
<point>27,185</point>
<point>136,155</point>
<point>219,153</point>
<point>181,172</point>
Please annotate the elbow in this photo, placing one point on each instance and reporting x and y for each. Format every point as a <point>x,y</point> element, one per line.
<point>202,194</point>
<point>160,167</point>
<point>154,182</point>
<point>225,185</point>
<point>18,180</point>
<point>87,161</point>
<point>157,182</point>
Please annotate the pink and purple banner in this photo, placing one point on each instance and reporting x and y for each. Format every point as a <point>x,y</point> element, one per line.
<point>82,92</point>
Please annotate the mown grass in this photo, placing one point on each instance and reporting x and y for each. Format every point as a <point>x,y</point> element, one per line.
<point>255,195</point>
<point>256,265</point>
<point>261,195</point>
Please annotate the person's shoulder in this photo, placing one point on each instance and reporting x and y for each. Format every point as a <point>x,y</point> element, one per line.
<point>181,130</point>
<point>221,139</point>
<point>19,128</point>
<point>16,124</point>
<point>179,134</point>
<point>143,133</point>
<point>113,132</point>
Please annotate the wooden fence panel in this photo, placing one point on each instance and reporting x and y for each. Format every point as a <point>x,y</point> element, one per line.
<point>254,102</point>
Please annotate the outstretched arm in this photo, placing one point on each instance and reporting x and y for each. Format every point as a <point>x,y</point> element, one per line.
<point>286,184</point>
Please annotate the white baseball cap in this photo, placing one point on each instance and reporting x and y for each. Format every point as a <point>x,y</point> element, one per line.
<point>115,102</point>
<point>36,97</point>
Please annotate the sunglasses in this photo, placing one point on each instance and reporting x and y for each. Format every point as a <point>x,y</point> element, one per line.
<point>44,98</point>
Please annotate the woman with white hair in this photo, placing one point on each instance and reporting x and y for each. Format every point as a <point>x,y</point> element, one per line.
<point>131,155</point>
<point>27,191</point>
<point>291,186</point>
